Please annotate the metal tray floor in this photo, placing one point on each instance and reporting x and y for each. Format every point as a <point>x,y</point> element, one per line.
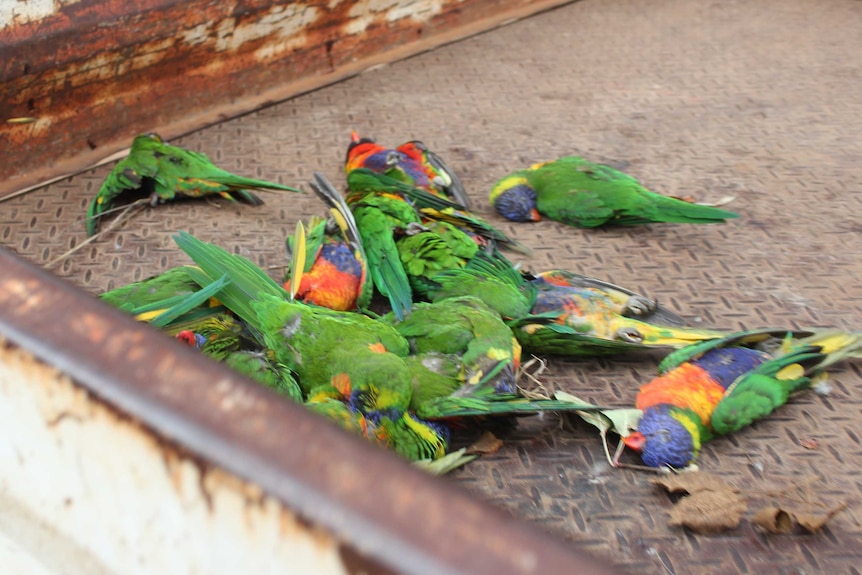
<point>760,100</point>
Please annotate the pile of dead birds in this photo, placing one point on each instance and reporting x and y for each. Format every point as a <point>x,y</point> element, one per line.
<point>456,315</point>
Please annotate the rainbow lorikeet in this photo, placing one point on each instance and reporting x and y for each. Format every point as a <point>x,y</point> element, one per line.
<point>412,163</point>
<point>407,435</point>
<point>335,265</point>
<point>464,333</point>
<point>170,301</point>
<point>172,282</point>
<point>337,355</point>
<point>581,193</point>
<point>564,313</point>
<point>166,172</point>
<point>363,181</point>
<point>441,175</point>
<point>410,235</point>
<point>464,362</point>
<point>720,386</point>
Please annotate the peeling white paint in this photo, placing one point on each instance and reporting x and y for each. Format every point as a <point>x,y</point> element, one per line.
<point>197,35</point>
<point>15,12</point>
<point>26,11</point>
<point>115,499</point>
<point>285,21</point>
<point>364,12</point>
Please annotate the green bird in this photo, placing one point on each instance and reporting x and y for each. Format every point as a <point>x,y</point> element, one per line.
<point>465,332</point>
<point>173,282</point>
<point>464,362</point>
<point>257,365</point>
<point>165,172</point>
<point>361,359</point>
<point>410,235</point>
<point>580,193</point>
<point>720,386</point>
<point>170,301</point>
<point>405,434</point>
<point>357,355</point>
<point>563,313</point>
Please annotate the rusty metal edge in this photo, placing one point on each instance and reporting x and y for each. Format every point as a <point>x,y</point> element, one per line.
<point>369,498</point>
<point>191,122</point>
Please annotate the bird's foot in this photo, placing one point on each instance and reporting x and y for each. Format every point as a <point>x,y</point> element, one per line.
<point>639,306</point>
<point>414,228</point>
<point>629,334</point>
<point>393,158</point>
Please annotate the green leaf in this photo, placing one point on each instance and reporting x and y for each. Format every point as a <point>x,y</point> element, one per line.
<point>620,421</point>
<point>445,464</point>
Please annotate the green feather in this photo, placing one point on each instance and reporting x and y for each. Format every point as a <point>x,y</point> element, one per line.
<point>165,172</point>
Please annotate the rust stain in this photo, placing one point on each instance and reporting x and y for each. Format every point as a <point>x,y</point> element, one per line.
<point>95,73</point>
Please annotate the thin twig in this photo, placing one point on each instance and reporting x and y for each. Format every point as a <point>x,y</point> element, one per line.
<point>115,156</point>
<point>117,221</point>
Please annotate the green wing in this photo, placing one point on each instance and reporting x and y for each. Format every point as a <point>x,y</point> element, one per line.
<point>377,217</point>
<point>757,394</point>
<point>247,281</point>
<point>585,194</point>
<point>491,278</point>
<point>173,282</point>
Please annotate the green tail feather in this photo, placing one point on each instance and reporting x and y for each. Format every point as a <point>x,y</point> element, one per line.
<point>247,281</point>
<point>445,407</point>
<point>673,210</point>
<point>189,303</point>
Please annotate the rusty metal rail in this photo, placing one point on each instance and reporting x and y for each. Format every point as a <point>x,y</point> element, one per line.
<point>374,502</point>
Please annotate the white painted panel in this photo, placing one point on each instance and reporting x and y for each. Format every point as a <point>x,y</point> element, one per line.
<point>94,489</point>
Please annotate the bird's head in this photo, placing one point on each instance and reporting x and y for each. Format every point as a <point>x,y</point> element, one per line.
<point>665,437</point>
<point>516,203</point>
<point>413,149</point>
<point>358,149</point>
<point>191,338</point>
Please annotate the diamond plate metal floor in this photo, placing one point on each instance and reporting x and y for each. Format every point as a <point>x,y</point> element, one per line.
<point>760,100</point>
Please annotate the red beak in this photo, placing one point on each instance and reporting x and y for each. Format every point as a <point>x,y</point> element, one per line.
<point>534,215</point>
<point>354,137</point>
<point>635,441</point>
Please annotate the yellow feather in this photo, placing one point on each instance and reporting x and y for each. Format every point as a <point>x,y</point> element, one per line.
<point>297,264</point>
<point>427,435</point>
<point>339,220</point>
<point>148,316</point>
<point>793,371</point>
<point>692,429</point>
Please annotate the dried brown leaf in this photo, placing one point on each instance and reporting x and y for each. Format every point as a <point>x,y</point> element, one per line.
<point>809,443</point>
<point>774,520</point>
<point>694,483</point>
<point>485,445</point>
<point>814,521</point>
<point>709,511</point>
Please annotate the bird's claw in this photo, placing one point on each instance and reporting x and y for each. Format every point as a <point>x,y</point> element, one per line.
<point>629,334</point>
<point>414,228</point>
<point>393,158</point>
<point>638,305</point>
